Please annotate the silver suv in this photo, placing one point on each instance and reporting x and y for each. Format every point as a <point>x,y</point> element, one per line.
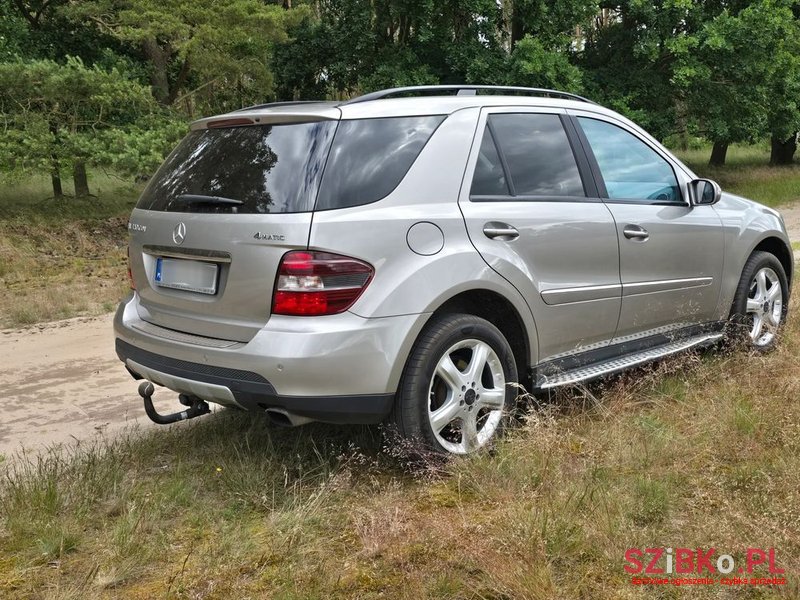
<point>408,254</point>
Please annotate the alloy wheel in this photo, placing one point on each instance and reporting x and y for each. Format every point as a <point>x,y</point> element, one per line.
<point>764,306</point>
<point>466,396</point>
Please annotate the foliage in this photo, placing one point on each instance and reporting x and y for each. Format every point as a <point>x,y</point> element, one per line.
<point>55,116</point>
<point>732,66</point>
<point>531,64</point>
<point>206,55</point>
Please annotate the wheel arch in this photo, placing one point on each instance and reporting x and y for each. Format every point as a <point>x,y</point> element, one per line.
<point>500,312</point>
<point>778,248</point>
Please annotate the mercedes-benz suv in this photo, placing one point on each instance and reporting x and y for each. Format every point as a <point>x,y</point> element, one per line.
<point>408,254</point>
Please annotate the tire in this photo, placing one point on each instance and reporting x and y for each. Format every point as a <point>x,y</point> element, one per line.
<point>760,303</point>
<point>447,402</point>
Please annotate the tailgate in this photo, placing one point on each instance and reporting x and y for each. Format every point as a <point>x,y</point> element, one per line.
<point>210,229</point>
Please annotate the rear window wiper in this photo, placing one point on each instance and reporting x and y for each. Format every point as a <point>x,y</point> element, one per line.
<point>192,199</point>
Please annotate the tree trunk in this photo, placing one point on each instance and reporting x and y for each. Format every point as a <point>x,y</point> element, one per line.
<point>517,27</point>
<point>682,118</point>
<point>80,180</point>
<point>718,154</point>
<point>287,4</point>
<point>55,178</point>
<point>55,166</point>
<point>783,150</point>
<point>159,67</point>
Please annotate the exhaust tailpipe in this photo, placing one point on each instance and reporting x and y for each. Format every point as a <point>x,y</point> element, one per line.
<point>284,418</point>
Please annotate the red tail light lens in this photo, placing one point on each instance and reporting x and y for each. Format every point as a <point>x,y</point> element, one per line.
<point>131,284</point>
<point>318,283</point>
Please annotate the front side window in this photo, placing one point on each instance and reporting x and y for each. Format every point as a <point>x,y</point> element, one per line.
<point>538,158</point>
<point>631,169</point>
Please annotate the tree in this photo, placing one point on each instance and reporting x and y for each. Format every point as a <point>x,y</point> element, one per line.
<point>631,52</point>
<point>211,53</point>
<point>731,70</point>
<point>783,109</point>
<point>361,45</point>
<point>60,116</point>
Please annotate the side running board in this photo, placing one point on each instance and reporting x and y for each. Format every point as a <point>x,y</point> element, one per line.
<point>601,369</point>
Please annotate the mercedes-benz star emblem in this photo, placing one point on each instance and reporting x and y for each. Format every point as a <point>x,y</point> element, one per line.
<point>179,233</point>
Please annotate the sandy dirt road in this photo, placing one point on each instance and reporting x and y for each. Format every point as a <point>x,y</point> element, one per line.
<point>62,381</point>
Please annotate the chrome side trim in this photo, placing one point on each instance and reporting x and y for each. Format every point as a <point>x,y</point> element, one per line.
<point>664,285</point>
<point>190,253</point>
<point>581,294</point>
<point>608,367</point>
<point>185,338</point>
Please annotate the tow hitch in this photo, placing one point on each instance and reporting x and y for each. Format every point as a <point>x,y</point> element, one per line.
<point>196,407</point>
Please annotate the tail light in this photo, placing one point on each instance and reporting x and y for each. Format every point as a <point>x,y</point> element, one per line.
<point>318,283</point>
<point>131,284</point>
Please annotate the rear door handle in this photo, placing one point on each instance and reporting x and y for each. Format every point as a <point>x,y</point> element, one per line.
<point>497,230</point>
<point>635,232</point>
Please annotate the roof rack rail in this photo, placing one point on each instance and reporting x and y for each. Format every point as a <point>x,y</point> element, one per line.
<point>269,104</point>
<point>467,90</point>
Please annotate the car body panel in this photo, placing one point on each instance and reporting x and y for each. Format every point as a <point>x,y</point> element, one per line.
<point>674,276</point>
<point>330,356</point>
<point>565,262</point>
<point>241,306</point>
<point>745,225</point>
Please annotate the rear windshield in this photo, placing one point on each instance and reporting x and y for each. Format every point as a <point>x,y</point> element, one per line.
<point>370,157</point>
<point>253,169</point>
<point>279,168</point>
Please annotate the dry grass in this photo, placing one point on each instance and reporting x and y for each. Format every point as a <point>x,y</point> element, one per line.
<point>703,451</point>
<point>61,259</point>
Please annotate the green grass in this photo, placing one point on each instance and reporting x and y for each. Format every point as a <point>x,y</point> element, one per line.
<point>63,258</point>
<point>747,173</point>
<point>31,200</point>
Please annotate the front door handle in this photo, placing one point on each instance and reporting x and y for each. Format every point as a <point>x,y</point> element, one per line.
<point>497,230</point>
<point>635,232</point>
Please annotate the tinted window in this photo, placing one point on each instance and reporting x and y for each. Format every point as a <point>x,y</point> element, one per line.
<point>369,157</point>
<point>630,168</point>
<point>489,178</point>
<point>538,155</point>
<point>269,168</point>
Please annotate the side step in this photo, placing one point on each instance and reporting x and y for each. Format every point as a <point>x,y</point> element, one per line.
<point>615,365</point>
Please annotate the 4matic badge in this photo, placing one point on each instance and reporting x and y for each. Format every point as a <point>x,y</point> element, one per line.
<point>269,236</point>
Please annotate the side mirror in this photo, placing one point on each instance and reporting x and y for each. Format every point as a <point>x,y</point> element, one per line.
<point>704,192</point>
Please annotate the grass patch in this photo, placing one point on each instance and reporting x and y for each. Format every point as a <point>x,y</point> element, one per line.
<point>61,259</point>
<point>747,173</point>
<point>699,452</point>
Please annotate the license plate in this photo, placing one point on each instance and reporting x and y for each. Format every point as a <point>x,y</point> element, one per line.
<point>188,275</point>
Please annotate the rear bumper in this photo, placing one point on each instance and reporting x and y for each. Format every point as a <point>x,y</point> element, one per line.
<point>340,369</point>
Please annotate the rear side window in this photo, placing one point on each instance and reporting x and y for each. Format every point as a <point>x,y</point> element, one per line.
<point>537,154</point>
<point>490,177</point>
<point>261,168</point>
<point>370,157</point>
